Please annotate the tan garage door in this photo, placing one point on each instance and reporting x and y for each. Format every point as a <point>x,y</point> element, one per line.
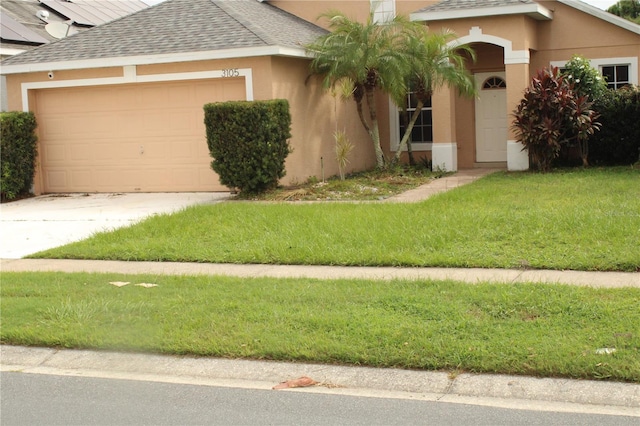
<point>129,138</point>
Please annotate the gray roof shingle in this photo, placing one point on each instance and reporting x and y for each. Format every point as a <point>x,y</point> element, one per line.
<point>180,26</point>
<point>451,5</point>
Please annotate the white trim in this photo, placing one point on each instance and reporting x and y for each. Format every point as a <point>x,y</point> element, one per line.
<point>129,76</point>
<point>445,156</point>
<point>4,101</point>
<point>517,157</point>
<point>510,56</point>
<point>601,14</point>
<point>598,63</point>
<point>156,59</point>
<point>517,57</point>
<point>535,11</point>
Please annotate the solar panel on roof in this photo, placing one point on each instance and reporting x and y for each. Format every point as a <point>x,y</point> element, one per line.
<point>120,7</point>
<point>15,31</point>
<point>94,12</point>
<point>71,11</point>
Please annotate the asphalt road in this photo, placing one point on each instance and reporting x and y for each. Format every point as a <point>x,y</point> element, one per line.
<point>38,399</point>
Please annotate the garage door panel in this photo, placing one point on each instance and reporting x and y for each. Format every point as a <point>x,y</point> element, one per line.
<point>133,137</point>
<point>181,97</point>
<point>81,153</point>
<point>203,176</point>
<point>115,179</point>
<point>182,151</point>
<point>56,178</point>
<point>52,127</point>
<point>180,122</point>
<point>80,178</point>
<point>155,150</point>
<point>107,151</point>
<point>226,90</point>
<point>53,153</point>
<point>129,180</point>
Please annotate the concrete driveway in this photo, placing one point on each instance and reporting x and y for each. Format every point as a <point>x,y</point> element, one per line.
<point>36,224</point>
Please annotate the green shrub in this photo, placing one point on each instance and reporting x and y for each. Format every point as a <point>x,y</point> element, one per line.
<point>551,115</point>
<point>248,142</point>
<point>19,152</point>
<point>618,141</point>
<point>586,80</point>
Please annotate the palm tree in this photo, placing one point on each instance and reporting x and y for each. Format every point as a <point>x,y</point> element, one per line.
<point>433,62</point>
<point>369,55</point>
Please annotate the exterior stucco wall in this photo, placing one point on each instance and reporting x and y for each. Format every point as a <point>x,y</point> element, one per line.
<point>516,28</point>
<point>311,10</point>
<point>573,29</point>
<point>574,32</point>
<point>14,81</point>
<point>260,66</point>
<point>465,131</point>
<point>315,116</point>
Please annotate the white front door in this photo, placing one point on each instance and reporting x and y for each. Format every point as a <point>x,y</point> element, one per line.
<point>491,117</point>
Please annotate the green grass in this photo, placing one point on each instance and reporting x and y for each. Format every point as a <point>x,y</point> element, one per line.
<point>573,219</point>
<point>541,330</point>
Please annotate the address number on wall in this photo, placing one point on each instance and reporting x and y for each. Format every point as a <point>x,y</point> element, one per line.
<point>231,72</point>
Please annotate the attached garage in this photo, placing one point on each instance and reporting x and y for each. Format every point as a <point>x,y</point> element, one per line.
<point>120,107</point>
<point>128,138</point>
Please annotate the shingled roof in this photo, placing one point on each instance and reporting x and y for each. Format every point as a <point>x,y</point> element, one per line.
<point>180,26</point>
<point>456,9</point>
<point>450,5</point>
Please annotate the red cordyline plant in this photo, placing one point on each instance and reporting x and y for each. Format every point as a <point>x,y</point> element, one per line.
<point>550,115</point>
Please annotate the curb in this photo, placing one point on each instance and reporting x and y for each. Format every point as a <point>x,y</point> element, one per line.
<point>547,394</point>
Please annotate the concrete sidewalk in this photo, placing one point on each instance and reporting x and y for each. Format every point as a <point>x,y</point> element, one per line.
<point>470,275</point>
<point>518,392</point>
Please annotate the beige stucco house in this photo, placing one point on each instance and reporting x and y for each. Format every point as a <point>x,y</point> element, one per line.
<point>119,106</point>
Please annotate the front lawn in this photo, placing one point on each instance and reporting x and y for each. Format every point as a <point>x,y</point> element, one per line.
<point>571,219</point>
<point>532,329</point>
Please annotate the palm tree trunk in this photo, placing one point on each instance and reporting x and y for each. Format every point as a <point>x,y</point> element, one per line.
<point>374,131</point>
<point>361,115</point>
<point>412,161</point>
<point>407,133</point>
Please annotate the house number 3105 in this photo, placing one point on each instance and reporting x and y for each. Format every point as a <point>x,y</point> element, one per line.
<point>230,72</point>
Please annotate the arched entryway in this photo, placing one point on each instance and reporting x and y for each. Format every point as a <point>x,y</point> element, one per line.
<point>474,133</point>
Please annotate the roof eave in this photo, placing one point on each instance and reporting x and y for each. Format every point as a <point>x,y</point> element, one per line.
<point>295,52</point>
<point>535,11</point>
<point>601,14</point>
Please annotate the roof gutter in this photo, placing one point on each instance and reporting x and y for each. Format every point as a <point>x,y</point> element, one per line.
<point>536,11</point>
<point>295,52</point>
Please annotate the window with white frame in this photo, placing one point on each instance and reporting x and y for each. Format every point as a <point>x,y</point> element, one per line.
<point>422,132</point>
<point>617,76</point>
<point>383,10</point>
<point>618,72</point>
